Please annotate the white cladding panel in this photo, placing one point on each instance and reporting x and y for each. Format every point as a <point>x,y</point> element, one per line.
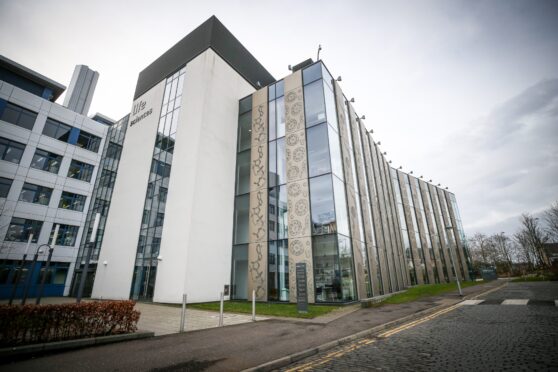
<point>197,233</point>
<point>120,241</point>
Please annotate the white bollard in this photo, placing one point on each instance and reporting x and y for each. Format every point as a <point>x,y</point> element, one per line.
<point>253,305</point>
<point>183,314</point>
<point>221,310</point>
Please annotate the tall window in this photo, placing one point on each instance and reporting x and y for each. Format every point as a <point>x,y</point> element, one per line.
<point>11,151</point>
<point>150,234</point>
<point>47,161</point>
<point>80,171</point>
<point>5,185</point>
<point>71,201</point>
<point>21,228</point>
<point>37,194</point>
<point>17,115</point>
<point>67,235</point>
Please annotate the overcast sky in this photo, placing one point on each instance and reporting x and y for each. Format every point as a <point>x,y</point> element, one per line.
<point>462,92</point>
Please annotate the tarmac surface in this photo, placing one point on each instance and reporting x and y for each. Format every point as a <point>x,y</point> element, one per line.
<point>229,348</point>
<point>515,328</point>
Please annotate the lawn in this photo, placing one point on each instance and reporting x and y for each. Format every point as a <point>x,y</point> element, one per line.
<point>273,309</point>
<point>425,290</point>
<point>539,277</point>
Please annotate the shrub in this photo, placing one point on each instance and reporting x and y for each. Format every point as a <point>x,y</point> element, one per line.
<point>29,324</point>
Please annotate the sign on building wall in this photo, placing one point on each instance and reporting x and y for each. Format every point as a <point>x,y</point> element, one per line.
<point>301,288</point>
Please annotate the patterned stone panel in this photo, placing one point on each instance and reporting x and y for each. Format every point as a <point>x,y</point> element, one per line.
<point>411,231</point>
<point>300,241</point>
<point>359,268</point>
<point>431,230</point>
<point>441,232</point>
<point>300,250</point>
<point>298,202</point>
<point>257,270</point>
<point>460,245</point>
<point>257,229</point>
<point>258,216</point>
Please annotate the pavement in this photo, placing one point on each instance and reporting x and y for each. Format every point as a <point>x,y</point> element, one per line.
<point>515,328</point>
<point>236,347</point>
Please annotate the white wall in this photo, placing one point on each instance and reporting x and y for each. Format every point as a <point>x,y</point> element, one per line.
<point>197,234</point>
<point>113,281</point>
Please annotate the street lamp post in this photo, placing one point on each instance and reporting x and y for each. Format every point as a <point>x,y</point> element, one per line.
<point>47,265</point>
<point>91,246</point>
<point>20,270</point>
<point>449,228</point>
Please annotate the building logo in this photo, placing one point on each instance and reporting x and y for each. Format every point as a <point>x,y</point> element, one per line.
<point>137,109</point>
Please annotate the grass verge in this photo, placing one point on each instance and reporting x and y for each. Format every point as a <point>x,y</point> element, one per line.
<point>272,309</point>
<point>540,277</point>
<point>425,290</point>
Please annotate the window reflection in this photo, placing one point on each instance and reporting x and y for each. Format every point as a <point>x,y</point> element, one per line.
<point>318,150</point>
<point>322,205</point>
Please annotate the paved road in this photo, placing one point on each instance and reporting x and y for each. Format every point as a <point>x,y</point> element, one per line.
<point>487,335</point>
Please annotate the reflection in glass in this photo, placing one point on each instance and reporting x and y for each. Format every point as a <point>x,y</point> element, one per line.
<point>322,205</point>
<point>314,105</point>
<point>336,163</point>
<point>239,274</point>
<point>243,172</point>
<point>340,206</point>
<point>241,213</point>
<point>278,271</point>
<point>318,150</point>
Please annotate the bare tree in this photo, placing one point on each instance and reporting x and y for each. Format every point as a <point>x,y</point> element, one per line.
<point>532,237</point>
<point>551,219</point>
<point>503,250</point>
<point>478,246</point>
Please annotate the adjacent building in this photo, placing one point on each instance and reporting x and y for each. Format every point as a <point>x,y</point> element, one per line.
<point>49,159</point>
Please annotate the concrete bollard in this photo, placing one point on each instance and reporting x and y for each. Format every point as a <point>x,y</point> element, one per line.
<point>253,305</point>
<point>221,310</point>
<point>183,314</point>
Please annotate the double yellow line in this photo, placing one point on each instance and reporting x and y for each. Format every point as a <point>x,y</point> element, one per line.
<point>367,341</point>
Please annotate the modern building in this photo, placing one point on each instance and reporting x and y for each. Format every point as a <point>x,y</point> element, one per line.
<point>227,177</point>
<point>49,158</point>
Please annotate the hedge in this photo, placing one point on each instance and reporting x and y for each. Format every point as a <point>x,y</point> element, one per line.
<point>29,324</point>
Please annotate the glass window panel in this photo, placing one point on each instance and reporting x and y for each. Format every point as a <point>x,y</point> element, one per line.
<point>280,111</point>
<point>318,150</point>
<point>271,92</point>
<point>20,229</point>
<point>341,207</point>
<point>322,205</point>
<point>239,290</point>
<point>312,73</point>
<point>279,89</point>
<point>5,185</point>
<point>243,173</point>
<point>241,214</point>
<point>11,151</point>
<point>244,131</point>
<point>328,79</point>
<point>272,117</point>
<point>335,150</point>
<point>330,107</point>
<point>272,213</point>
<point>180,86</point>
<point>327,278</point>
<point>314,105</point>
<point>273,178</point>
<point>281,162</point>
<point>245,105</point>
<point>346,268</point>
<point>282,214</point>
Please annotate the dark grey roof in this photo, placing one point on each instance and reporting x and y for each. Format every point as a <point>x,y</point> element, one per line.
<point>210,34</point>
<point>35,77</point>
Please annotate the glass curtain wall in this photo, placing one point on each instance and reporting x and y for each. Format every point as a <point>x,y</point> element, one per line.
<point>100,203</point>
<point>452,247</point>
<point>437,233</point>
<point>404,231</point>
<point>413,211</point>
<point>278,258</point>
<point>149,241</point>
<point>239,265</point>
<point>332,250</point>
<point>460,230</point>
<point>422,214</point>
